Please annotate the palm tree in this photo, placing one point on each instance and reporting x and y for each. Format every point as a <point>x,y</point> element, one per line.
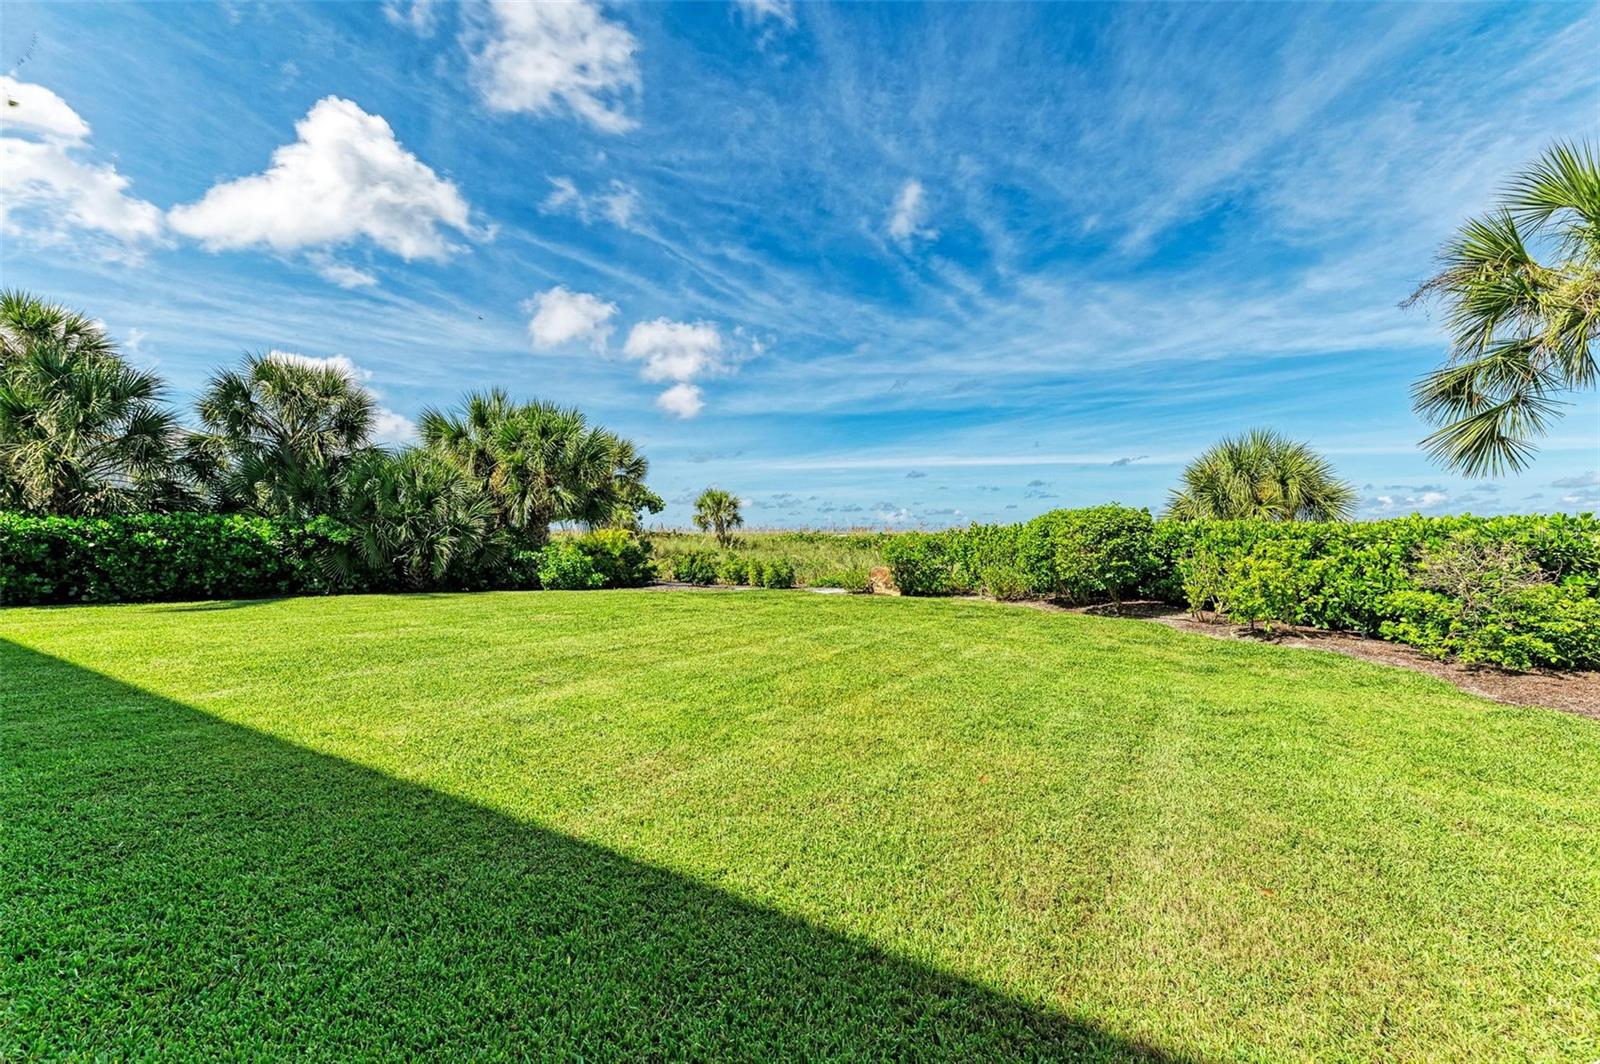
<point>1522,330</point>
<point>541,463</point>
<point>26,320</point>
<point>623,496</point>
<point>1261,474</point>
<point>417,519</point>
<point>718,511</point>
<point>467,438</point>
<point>82,433</point>
<point>279,434</point>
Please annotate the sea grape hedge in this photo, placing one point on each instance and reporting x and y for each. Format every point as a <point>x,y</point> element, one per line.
<point>168,557</point>
<point>1091,555</point>
<point>1514,591</point>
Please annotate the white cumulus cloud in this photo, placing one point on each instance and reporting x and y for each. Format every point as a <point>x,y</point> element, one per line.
<point>561,317</point>
<point>33,108</point>
<point>47,189</point>
<point>909,214</point>
<point>681,400</point>
<point>545,57</point>
<point>345,177</point>
<point>392,428</point>
<point>675,350</point>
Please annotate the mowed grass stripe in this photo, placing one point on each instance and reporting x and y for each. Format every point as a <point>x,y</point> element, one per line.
<point>1154,839</point>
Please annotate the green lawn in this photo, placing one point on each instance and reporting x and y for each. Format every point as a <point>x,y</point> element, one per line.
<point>772,825</point>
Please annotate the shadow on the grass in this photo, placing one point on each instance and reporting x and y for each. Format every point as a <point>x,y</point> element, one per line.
<point>187,886</point>
<point>213,605</point>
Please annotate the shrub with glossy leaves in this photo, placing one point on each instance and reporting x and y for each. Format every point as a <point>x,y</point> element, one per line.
<point>149,557</point>
<point>734,570</point>
<point>568,567</point>
<point>1512,591</point>
<point>1088,555</point>
<point>921,563</point>
<point>620,556</point>
<point>1098,553</point>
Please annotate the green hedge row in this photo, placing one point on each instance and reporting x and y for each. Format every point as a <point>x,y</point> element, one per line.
<point>1079,556</point>
<point>1514,591</point>
<point>169,557</point>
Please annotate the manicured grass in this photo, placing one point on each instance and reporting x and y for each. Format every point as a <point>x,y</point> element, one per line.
<point>772,825</point>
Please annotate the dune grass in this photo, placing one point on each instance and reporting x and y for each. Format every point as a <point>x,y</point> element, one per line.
<point>623,825</point>
<point>820,559</point>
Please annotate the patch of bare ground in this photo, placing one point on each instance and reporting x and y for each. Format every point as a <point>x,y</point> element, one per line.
<point>1571,692</point>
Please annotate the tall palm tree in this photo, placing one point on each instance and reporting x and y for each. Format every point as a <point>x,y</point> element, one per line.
<point>279,434</point>
<point>548,464</point>
<point>1261,474</point>
<point>718,511</point>
<point>622,496</point>
<point>542,463</point>
<point>82,432</point>
<point>26,320</point>
<point>468,438</point>
<point>1522,330</point>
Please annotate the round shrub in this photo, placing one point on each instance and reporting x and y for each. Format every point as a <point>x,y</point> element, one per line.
<point>694,567</point>
<point>777,573</point>
<point>621,557</point>
<point>734,570</point>
<point>567,567</point>
<point>920,563</point>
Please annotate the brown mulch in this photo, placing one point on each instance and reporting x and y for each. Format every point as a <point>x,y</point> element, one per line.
<point>1571,692</point>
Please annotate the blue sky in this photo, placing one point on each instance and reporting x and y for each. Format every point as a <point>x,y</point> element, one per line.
<point>862,265</point>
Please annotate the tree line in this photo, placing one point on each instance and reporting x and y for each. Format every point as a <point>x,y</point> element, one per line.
<point>83,433</point>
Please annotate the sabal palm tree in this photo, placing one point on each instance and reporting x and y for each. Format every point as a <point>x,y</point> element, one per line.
<point>279,434</point>
<point>542,463</point>
<point>718,511</point>
<point>1522,330</point>
<point>1261,474</point>
<point>467,438</point>
<point>623,496</point>
<point>416,518</point>
<point>82,432</point>
<point>548,464</point>
<point>26,320</point>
